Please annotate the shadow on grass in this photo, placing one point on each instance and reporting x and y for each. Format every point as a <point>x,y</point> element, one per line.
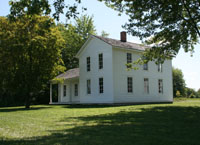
<point>151,126</point>
<point>10,109</point>
<point>85,106</point>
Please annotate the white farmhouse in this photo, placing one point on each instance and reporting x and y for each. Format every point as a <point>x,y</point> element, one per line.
<point>102,76</point>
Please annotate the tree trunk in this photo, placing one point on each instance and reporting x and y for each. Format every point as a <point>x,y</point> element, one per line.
<point>27,102</point>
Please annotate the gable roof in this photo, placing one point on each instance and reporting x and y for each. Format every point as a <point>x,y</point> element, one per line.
<point>125,45</point>
<point>115,43</point>
<point>72,73</point>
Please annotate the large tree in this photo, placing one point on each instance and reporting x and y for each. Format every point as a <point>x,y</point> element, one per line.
<point>30,7</point>
<point>75,36</point>
<point>166,25</point>
<point>30,54</point>
<point>179,87</point>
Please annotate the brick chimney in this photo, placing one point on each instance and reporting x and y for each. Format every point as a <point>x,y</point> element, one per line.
<point>123,36</point>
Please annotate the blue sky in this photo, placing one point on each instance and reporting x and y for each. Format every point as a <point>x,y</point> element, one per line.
<point>108,20</point>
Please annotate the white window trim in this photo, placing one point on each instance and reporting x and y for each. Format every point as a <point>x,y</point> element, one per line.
<point>64,90</point>
<point>88,64</point>
<point>76,90</point>
<point>129,60</point>
<point>128,84</point>
<point>87,87</point>
<point>99,61</point>
<point>160,87</point>
<point>147,88</point>
<point>102,85</point>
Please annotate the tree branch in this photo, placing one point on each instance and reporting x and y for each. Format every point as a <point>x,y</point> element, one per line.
<point>192,19</point>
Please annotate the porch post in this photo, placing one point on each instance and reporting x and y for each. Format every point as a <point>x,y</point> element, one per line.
<point>50,93</point>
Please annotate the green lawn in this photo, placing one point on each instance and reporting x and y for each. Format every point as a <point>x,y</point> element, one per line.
<point>158,124</point>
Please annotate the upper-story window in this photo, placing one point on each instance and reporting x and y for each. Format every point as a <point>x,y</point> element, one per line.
<point>64,90</point>
<point>88,63</point>
<point>145,66</point>
<point>76,90</point>
<point>160,86</point>
<point>129,59</point>
<point>130,84</point>
<point>88,87</point>
<point>100,85</point>
<point>160,69</point>
<point>101,61</point>
<point>146,85</point>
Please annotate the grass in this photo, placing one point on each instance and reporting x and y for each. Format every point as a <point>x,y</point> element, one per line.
<point>158,124</point>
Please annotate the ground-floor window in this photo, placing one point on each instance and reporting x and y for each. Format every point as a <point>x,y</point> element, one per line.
<point>146,85</point>
<point>160,86</point>
<point>130,84</point>
<point>88,87</point>
<point>100,85</point>
<point>76,90</point>
<point>64,90</point>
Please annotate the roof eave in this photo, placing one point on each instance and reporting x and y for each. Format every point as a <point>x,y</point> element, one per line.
<point>131,49</point>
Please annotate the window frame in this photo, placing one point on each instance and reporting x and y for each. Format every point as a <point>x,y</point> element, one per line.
<point>160,86</point>
<point>145,66</point>
<point>146,85</point>
<point>64,90</point>
<point>101,61</point>
<point>88,66</point>
<point>88,88</point>
<point>130,84</point>
<point>75,89</point>
<point>128,59</point>
<point>160,67</point>
<point>101,85</point>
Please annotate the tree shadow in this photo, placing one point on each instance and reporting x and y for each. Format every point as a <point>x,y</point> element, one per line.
<point>10,109</point>
<point>149,126</point>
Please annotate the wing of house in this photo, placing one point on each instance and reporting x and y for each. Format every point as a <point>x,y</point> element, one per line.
<point>102,76</point>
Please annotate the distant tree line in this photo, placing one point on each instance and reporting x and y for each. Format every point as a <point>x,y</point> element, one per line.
<point>179,86</point>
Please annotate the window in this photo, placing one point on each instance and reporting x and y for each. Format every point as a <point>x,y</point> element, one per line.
<point>130,84</point>
<point>101,61</point>
<point>88,87</point>
<point>160,67</point>
<point>64,90</point>
<point>160,86</point>
<point>146,85</point>
<point>88,63</point>
<point>129,59</point>
<point>100,85</point>
<point>76,90</point>
<point>145,66</point>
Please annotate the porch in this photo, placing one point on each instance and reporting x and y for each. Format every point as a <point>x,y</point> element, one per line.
<point>67,89</point>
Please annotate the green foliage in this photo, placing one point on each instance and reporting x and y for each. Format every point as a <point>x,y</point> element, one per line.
<point>43,7</point>
<point>30,55</point>
<point>178,83</point>
<point>75,36</point>
<point>158,124</point>
<point>191,93</point>
<point>166,25</point>
<point>104,34</point>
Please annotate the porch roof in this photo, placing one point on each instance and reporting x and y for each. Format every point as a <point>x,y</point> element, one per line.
<point>72,73</point>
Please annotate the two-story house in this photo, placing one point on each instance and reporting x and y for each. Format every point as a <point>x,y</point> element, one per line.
<point>102,76</point>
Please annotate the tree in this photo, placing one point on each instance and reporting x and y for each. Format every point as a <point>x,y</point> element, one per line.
<point>75,36</point>
<point>178,83</point>
<point>38,7</point>
<point>191,93</point>
<point>104,34</point>
<point>166,25</point>
<point>30,54</point>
